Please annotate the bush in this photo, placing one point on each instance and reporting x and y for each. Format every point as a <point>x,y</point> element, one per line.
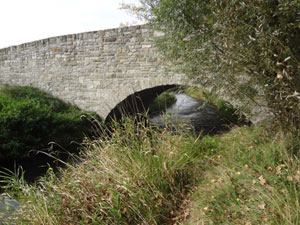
<point>30,119</point>
<point>162,102</point>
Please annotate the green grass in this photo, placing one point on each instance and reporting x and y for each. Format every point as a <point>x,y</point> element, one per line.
<point>137,175</point>
<point>254,179</point>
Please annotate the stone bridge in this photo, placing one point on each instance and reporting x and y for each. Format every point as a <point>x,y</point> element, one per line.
<point>94,70</point>
<point>102,71</point>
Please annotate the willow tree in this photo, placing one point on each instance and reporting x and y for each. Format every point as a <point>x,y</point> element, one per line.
<point>217,41</point>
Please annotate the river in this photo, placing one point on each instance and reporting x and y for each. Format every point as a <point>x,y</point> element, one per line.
<point>195,114</point>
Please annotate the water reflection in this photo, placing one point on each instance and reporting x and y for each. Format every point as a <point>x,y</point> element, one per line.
<point>194,113</point>
<point>7,207</point>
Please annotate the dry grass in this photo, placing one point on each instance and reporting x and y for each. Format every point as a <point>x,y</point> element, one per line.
<point>135,176</point>
<point>254,179</point>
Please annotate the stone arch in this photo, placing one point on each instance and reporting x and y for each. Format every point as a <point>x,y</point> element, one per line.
<point>93,70</point>
<point>96,70</point>
<point>138,102</point>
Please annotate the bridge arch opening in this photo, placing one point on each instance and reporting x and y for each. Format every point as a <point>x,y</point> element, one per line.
<point>137,103</point>
<point>205,112</point>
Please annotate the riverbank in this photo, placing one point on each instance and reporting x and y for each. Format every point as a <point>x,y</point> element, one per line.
<point>141,176</point>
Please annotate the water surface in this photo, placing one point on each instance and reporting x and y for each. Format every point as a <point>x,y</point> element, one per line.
<point>193,113</point>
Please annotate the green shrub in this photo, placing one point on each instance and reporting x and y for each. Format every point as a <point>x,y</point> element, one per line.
<point>30,119</point>
<point>162,102</point>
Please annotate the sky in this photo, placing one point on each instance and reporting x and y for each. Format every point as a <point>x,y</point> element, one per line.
<point>24,21</point>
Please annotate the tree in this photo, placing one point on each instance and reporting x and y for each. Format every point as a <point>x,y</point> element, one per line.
<point>217,42</point>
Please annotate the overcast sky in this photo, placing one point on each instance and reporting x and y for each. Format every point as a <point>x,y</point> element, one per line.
<point>29,20</point>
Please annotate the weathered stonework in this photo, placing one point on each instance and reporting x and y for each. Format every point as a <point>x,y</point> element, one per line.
<point>94,70</point>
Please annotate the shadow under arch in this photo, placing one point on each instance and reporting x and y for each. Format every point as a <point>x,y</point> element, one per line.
<point>137,103</point>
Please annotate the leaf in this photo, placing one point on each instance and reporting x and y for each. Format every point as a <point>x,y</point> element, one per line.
<point>270,169</point>
<point>279,76</point>
<point>262,205</point>
<point>278,170</point>
<point>262,181</point>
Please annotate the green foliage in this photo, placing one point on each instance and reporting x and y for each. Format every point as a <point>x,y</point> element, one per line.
<point>30,119</point>
<point>196,93</point>
<point>12,180</point>
<point>162,102</point>
<point>242,46</point>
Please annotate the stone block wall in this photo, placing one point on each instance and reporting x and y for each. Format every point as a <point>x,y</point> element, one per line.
<point>94,70</point>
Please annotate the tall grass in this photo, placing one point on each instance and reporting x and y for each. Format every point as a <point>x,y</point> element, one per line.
<point>138,175</point>
<point>254,179</point>
<point>135,175</point>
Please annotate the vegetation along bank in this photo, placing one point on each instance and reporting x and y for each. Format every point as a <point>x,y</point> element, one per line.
<point>141,175</point>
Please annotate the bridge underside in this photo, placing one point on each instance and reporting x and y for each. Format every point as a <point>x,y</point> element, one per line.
<point>137,103</point>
